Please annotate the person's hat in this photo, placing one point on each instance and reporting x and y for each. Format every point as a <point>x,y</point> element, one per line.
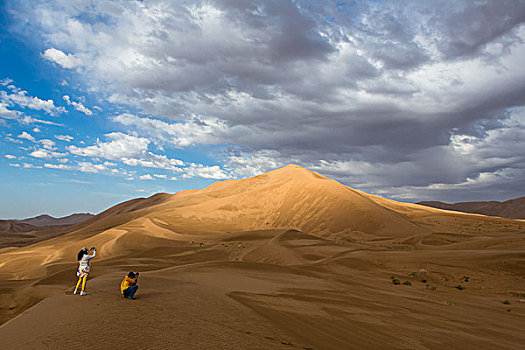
<point>84,248</point>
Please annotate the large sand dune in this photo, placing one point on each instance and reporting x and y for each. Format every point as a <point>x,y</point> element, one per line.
<point>288,259</point>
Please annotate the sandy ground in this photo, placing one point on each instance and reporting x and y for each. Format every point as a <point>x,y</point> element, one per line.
<point>219,295</point>
<point>206,284</point>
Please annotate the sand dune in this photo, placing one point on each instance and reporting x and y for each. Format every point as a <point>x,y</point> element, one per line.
<point>288,259</point>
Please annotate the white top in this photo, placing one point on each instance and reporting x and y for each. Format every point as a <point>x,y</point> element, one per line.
<point>85,261</point>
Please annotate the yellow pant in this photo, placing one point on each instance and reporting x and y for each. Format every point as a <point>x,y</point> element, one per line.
<point>83,280</point>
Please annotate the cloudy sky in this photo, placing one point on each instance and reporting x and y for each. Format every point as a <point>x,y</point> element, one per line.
<point>102,101</point>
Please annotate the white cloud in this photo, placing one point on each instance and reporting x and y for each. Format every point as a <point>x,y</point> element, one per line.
<point>37,130</point>
<point>48,144</point>
<point>246,165</point>
<point>8,113</point>
<point>6,81</point>
<point>40,154</point>
<point>120,171</point>
<point>30,120</point>
<point>10,139</point>
<point>57,166</point>
<point>44,153</point>
<point>62,59</point>
<point>31,166</point>
<point>87,167</point>
<point>160,176</point>
<point>120,146</point>
<point>146,177</point>
<point>151,160</point>
<point>14,165</point>
<point>77,105</point>
<point>66,138</point>
<point>9,156</point>
<point>207,172</point>
<point>197,130</point>
<point>27,136</point>
<point>131,150</point>
<point>21,98</point>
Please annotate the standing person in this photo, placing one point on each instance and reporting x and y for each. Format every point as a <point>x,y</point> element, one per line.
<point>84,265</point>
<point>128,286</point>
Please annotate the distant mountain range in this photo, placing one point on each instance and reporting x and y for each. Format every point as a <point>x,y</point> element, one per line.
<point>48,220</point>
<point>511,209</point>
<point>42,227</point>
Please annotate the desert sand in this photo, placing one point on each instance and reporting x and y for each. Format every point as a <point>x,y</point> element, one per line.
<point>286,260</point>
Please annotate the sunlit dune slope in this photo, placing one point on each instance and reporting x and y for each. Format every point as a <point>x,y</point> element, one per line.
<point>291,197</point>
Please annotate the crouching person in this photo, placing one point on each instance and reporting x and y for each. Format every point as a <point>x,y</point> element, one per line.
<point>129,286</point>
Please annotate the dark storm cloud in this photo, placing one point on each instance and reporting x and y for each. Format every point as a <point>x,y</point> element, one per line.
<point>381,94</point>
<point>475,24</point>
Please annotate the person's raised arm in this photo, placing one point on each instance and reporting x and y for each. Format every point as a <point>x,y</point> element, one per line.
<point>94,253</point>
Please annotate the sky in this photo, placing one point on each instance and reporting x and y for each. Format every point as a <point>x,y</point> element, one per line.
<point>104,101</point>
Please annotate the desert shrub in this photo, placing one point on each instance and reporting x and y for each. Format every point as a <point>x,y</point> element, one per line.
<point>460,287</point>
<point>506,302</point>
<point>396,281</point>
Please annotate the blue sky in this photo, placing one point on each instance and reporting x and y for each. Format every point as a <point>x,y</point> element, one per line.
<point>105,101</point>
<point>34,183</point>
